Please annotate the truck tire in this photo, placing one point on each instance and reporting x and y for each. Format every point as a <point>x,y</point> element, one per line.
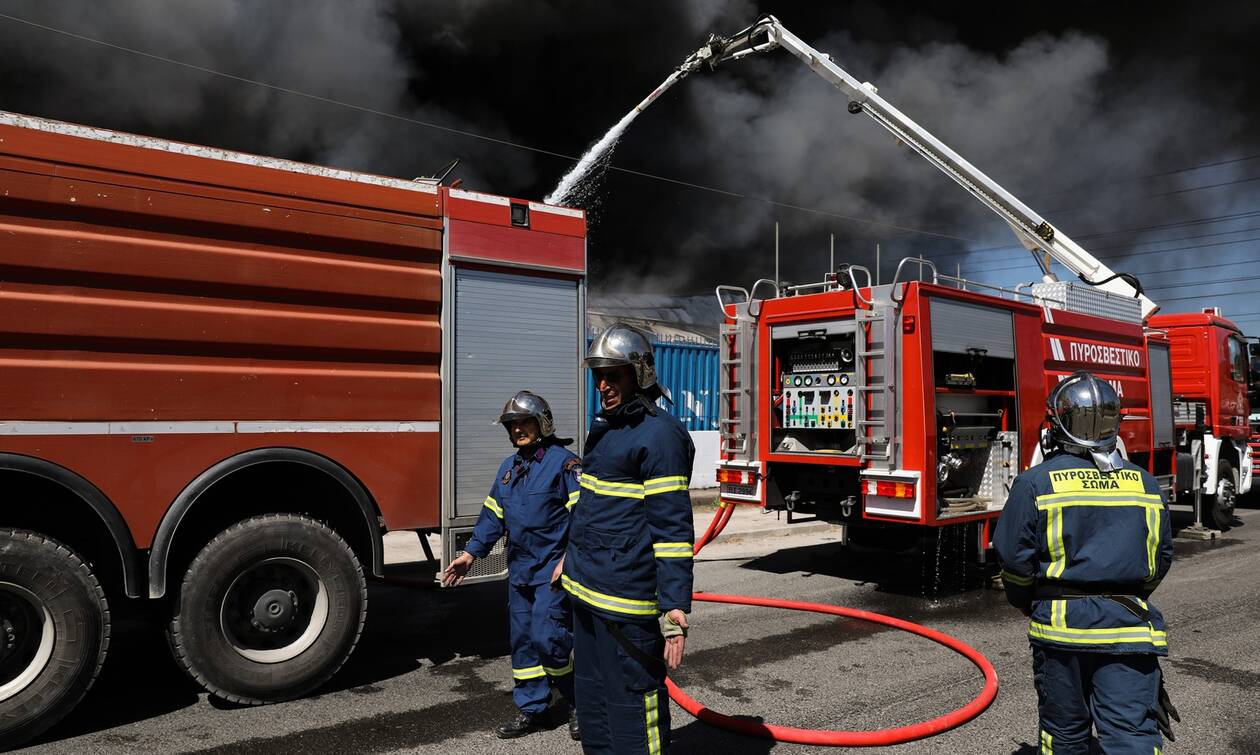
<point>54,631</point>
<point>269,609</point>
<point>1218,510</point>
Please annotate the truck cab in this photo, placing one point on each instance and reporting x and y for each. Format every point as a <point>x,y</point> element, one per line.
<point>1211,407</point>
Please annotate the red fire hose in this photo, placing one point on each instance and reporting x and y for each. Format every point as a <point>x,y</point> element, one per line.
<point>836,738</point>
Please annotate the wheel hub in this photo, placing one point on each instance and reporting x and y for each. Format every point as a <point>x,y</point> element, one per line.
<point>274,610</point>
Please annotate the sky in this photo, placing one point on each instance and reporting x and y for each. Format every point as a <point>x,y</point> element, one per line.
<point>1131,127</point>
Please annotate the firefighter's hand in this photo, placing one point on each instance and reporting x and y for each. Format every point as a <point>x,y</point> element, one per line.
<point>454,572</point>
<point>556,572</point>
<point>674,627</point>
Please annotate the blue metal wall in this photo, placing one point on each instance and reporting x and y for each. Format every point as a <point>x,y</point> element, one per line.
<point>690,372</point>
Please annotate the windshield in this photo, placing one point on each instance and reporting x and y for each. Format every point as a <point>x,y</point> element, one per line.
<point>1238,359</point>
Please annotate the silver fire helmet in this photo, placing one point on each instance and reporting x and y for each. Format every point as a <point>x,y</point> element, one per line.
<point>525,405</point>
<point>622,344</point>
<point>1085,417</point>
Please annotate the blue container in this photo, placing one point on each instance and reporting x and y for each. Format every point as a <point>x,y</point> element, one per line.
<point>690,372</point>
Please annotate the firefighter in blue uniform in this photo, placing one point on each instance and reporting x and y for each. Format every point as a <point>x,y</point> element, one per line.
<point>629,558</point>
<point>1084,539</point>
<point>530,500</point>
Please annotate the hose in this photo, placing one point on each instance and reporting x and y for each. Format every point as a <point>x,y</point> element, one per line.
<point>836,738</point>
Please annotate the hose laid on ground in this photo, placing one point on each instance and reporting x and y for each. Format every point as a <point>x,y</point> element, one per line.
<point>835,738</point>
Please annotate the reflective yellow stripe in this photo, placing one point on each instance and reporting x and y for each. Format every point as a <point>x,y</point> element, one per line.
<point>612,603</point>
<point>1054,540</point>
<point>1047,743</point>
<point>560,671</point>
<point>1058,614</point>
<point>573,498</point>
<point>1152,539</point>
<point>619,489</point>
<point>533,672</point>
<point>1098,636</point>
<point>673,550</point>
<point>652,716</point>
<point>1053,500</point>
<point>658,485</point>
<point>493,505</point>
<point>1016,579</point>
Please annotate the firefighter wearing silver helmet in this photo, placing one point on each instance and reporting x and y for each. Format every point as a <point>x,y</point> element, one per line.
<point>1084,539</point>
<point>530,500</point>
<point>629,558</point>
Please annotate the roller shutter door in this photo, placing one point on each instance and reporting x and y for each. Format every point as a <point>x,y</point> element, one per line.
<point>512,332</point>
<point>958,326</point>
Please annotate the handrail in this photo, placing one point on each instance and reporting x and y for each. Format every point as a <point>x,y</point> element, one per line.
<point>857,290</point>
<point>897,275</point>
<point>736,289</point>
<point>752,296</point>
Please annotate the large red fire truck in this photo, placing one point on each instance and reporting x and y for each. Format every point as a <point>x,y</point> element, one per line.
<point>1210,378</point>
<point>918,401</point>
<point>223,377</point>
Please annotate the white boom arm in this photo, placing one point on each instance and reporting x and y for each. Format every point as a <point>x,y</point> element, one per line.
<point>1032,230</point>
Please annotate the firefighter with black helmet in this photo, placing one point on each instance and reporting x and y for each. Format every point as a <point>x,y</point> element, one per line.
<point>1084,539</point>
<point>629,564</point>
<point>530,500</point>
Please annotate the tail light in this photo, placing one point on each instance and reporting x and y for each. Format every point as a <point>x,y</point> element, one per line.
<point>735,476</point>
<point>890,489</point>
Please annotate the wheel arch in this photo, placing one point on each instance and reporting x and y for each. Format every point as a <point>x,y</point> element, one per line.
<point>366,522</point>
<point>107,514</point>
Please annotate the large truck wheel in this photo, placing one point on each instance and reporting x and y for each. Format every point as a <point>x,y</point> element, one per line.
<point>54,631</point>
<point>1218,510</point>
<point>269,609</point>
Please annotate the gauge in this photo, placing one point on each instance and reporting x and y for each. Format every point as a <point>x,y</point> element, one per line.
<point>831,380</point>
<point>844,380</point>
<point>809,380</point>
<point>796,380</point>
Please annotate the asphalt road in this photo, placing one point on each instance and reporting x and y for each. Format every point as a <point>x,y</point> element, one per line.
<point>430,674</point>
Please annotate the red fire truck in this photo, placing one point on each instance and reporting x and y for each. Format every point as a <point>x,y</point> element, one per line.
<point>223,377</point>
<point>1210,378</point>
<point>918,401</point>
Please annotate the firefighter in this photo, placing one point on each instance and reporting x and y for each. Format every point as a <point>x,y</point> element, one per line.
<point>1084,539</point>
<point>629,558</point>
<point>530,500</point>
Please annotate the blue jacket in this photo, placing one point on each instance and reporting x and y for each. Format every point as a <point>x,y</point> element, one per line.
<point>1067,524</point>
<point>631,538</point>
<point>530,500</point>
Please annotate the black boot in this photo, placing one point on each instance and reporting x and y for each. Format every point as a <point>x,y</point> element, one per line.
<point>524,724</point>
<point>574,731</point>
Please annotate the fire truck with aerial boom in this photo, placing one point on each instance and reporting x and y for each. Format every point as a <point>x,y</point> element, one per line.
<point>917,402</point>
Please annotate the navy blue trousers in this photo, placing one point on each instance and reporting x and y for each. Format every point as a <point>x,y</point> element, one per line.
<point>542,644</point>
<point>1115,693</point>
<point>623,708</point>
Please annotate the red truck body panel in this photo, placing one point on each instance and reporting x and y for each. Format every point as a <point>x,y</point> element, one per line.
<point>164,307</point>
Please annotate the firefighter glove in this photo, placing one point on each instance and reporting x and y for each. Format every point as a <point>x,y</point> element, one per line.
<point>670,629</point>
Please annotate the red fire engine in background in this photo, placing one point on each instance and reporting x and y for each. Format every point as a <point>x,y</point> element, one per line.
<point>917,402</point>
<point>223,377</point>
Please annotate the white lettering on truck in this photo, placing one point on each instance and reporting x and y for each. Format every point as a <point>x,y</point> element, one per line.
<point>1090,352</point>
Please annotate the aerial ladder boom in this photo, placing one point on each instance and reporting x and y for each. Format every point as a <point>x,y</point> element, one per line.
<point>1033,231</point>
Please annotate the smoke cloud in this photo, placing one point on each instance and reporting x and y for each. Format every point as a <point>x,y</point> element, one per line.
<point>1087,126</point>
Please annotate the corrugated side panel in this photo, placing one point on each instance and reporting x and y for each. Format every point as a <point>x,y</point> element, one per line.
<point>135,294</point>
<point>512,333</point>
<point>690,372</point>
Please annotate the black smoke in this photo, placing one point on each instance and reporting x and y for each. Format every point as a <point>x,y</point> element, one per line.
<point>1088,114</point>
